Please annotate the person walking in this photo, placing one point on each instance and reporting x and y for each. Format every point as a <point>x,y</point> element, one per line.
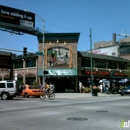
<point>52,87</point>
<point>41,86</point>
<point>80,86</point>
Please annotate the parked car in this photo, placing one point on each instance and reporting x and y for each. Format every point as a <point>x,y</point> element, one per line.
<point>31,91</point>
<point>8,89</point>
<point>125,90</point>
<point>122,81</point>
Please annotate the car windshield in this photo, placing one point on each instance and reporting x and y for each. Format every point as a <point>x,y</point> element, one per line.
<point>33,87</point>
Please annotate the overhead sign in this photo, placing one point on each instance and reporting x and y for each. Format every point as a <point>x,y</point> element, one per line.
<point>5,61</point>
<point>13,16</point>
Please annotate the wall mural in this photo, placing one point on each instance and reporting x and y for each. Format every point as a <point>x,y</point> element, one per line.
<point>59,61</point>
<point>58,57</point>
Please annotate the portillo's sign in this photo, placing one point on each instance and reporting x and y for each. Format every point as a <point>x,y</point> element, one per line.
<point>120,74</point>
<point>107,73</point>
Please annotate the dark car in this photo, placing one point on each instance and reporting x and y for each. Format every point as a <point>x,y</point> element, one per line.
<point>125,90</point>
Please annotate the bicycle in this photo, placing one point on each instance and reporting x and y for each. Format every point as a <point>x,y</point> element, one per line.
<point>50,95</point>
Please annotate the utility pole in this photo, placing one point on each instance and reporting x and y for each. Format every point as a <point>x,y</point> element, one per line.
<point>91,62</point>
<point>43,35</point>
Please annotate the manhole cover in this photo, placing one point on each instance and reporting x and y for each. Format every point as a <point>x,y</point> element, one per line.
<point>102,111</point>
<point>77,119</point>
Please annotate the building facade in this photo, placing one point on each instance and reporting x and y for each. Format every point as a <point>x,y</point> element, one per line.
<point>66,65</point>
<point>103,67</point>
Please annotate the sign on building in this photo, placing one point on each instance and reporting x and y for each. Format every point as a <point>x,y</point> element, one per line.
<point>110,51</point>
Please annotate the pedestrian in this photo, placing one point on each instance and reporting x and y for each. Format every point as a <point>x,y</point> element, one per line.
<point>80,86</point>
<point>41,86</point>
<point>52,87</point>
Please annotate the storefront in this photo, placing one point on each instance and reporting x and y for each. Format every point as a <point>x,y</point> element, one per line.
<point>60,60</point>
<point>103,67</point>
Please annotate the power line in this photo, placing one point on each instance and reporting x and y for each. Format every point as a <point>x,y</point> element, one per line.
<point>13,50</point>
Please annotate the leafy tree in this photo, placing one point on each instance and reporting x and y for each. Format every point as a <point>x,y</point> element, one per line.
<point>35,84</point>
<point>128,71</point>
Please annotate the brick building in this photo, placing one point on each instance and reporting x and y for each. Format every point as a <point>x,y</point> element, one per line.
<point>66,65</point>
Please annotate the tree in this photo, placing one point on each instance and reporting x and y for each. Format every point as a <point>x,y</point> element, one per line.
<point>128,71</point>
<point>35,84</point>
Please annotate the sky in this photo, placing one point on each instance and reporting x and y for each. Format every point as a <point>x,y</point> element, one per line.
<point>103,17</point>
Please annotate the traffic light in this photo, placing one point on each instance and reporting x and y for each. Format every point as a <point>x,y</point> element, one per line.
<point>45,72</point>
<point>25,51</point>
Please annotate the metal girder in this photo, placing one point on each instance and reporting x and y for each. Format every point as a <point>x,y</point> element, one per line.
<point>20,30</point>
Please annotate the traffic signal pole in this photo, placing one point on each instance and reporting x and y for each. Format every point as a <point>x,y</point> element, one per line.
<point>43,78</point>
<point>91,62</point>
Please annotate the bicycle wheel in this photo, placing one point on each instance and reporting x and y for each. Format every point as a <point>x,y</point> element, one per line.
<point>42,97</point>
<point>51,96</point>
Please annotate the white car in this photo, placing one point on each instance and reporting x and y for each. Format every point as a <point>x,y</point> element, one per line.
<point>8,89</point>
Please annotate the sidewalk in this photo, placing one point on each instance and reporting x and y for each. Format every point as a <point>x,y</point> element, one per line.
<point>81,95</point>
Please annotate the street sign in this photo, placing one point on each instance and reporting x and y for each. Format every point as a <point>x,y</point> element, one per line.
<point>39,53</point>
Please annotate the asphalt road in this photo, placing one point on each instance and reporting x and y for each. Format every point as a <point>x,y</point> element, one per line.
<point>81,113</point>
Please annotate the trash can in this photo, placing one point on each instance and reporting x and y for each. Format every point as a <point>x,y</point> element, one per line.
<point>95,92</point>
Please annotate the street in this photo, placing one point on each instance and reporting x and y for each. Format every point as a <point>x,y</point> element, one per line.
<point>80,113</point>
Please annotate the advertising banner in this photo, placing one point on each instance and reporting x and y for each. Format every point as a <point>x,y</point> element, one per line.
<point>110,51</point>
<point>13,16</point>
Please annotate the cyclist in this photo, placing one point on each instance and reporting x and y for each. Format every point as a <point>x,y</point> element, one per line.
<point>47,88</point>
<point>52,87</point>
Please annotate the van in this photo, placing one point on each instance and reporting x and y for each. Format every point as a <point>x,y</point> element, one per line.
<point>8,89</point>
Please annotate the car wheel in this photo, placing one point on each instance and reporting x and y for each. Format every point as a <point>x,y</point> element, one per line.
<point>26,95</point>
<point>4,96</point>
<point>122,94</point>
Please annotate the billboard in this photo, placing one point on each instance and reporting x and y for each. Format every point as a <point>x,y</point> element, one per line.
<point>13,16</point>
<point>5,61</point>
<point>110,51</point>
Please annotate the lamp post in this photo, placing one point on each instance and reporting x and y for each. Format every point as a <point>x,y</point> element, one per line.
<point>91,61</point>
<point>43,34</point>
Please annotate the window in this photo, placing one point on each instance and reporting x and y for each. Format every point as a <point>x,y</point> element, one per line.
<point>31,63</point>
<point>31,88</point>
<point>85,62</point>
<point>2,85</point>
<point>10,85</point>
<point>122,66</point>
<point>112,64</point>
<point>100,63</point>
<point>18,64</point>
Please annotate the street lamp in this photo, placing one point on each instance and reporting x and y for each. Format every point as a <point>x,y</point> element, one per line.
<point>43,26</point>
